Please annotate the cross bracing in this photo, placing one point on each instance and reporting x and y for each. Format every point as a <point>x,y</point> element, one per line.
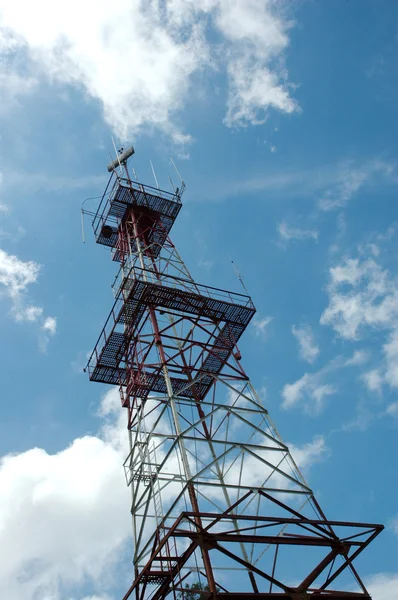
<point>216,494</point>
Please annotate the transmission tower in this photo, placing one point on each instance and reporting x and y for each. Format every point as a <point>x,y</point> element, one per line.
<point>217,498</point>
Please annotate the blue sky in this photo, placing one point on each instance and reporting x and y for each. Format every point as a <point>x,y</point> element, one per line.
<point>282,118</point>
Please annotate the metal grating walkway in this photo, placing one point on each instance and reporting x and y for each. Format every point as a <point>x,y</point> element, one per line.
<point>107,362</point>
<point>157,209</point>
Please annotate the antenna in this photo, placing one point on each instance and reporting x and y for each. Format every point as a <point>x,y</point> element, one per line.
<point>238,275</point>
<point>136,178</point>
<point>171,183</point>
<point>155,178</point>
<point>154,174</point>
<point>120,159</point>
<point>183,186</point>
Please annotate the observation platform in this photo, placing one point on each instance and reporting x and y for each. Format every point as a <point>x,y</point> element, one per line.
<point>231,312</point>
<point>154,209</point>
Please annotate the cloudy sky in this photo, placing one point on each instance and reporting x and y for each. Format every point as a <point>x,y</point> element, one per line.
<point>282,118</point>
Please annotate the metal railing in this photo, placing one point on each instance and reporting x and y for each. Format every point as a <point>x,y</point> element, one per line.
<point>102,214</point>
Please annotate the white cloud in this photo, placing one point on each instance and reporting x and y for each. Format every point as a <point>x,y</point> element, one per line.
<point>260,325</point>
<point>256,33</point>
<point>13,86</point>
<point>311,453</point>
<point>373,380</point>
<point>29,313</point>
<point>383,586</point>
<point>286,182</point>
<point>352,179</point>
<point>102,597</point>
<point>391,359</point>
<point>139,59</point>
<point>294,392</point>
<point>322,391</point>
<point>308,347</point>
<point>363,297</point>
<point>288,233</point>
<point>16,276</point>
<point>361,294</point>
<point>360,357</point>
<point>71,509</point>
<point>50,325</point>
<point>392,409</point>
<point>48,329</point>
<point>309,391</point>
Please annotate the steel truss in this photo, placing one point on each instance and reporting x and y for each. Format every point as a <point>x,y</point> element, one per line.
<point>216,494</point>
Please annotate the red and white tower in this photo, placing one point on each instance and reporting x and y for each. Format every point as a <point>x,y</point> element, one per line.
<point>217,499</point>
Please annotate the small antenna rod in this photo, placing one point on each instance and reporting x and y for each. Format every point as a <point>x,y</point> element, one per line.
<point>239,276</point>
<point>83,212</point>
<point>154,175</point>
<point>82,218</point>
<point>171,183</point>
<point>177,171</point>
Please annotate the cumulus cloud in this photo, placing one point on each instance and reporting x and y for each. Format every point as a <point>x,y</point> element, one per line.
<point>16,276</point>
<point>288,233</point>
<point>64,518</point>
<point>361,293</point>
<point>308,348</point>
<point>363,298</point>
<point>71,510</point>
<point>139,59</point>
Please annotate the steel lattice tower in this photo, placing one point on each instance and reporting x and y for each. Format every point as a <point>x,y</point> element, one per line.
<point>216,495</point>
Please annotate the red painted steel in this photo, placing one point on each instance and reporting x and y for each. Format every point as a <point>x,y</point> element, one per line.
<point>214,488</point>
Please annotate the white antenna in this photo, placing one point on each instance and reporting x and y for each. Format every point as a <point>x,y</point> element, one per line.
<point>171,183</point>
<point>136,178</point>
<point>154,174</point>
<point>177,171</point>
<point>183,186</point>
<point>155,178</point>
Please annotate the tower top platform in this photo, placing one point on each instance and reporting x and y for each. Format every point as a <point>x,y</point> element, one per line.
<point>155,210</point>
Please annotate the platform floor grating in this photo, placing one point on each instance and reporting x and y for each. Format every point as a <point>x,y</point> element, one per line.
<point>107,361</point>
